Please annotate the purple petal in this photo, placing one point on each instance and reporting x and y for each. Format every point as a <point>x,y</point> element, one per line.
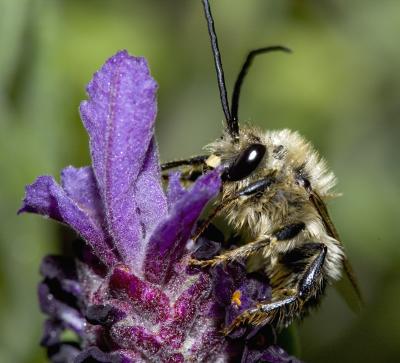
<point>47,198</point>
<point>175,188</point>
<point>275,354</point>
<point>80,185</point>
<point>167,243</point>
<point>62,269</point>
<point>119,118</point>
<point>249,292</point>
<point>59,310</point>
<point>226,279</point>
<point>62,353</point>
<point>52,330</point>
<point>150,198</point>
<point>95,355</point>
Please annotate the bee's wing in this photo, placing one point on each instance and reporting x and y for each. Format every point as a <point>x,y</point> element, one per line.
<point>347,286</point>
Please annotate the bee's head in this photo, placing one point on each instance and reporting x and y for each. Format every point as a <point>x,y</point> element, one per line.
<point>239,157</point>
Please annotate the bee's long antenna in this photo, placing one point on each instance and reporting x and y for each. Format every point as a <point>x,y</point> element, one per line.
<point>233,126</point>
<point>243,72</point>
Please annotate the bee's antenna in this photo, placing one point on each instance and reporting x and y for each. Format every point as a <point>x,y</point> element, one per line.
<point>233,126</point>
<point>243,72</point>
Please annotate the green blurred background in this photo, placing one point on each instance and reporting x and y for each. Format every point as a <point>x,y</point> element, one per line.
<point>340,89</point>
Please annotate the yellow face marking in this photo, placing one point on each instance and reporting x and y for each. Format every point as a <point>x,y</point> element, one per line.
<point>236,298</point>
<point>213,161</point>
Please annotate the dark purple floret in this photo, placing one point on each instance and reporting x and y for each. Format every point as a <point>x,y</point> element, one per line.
<point>273,354</point>
<point>236,291</point>
<point>128,294</point>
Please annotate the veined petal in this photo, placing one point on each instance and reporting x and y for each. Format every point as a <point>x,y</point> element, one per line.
<point>80,185</point>
<point>175,188</point>
<point>119,117</point>
<point>150,198</point>
<point>167,243</point>
<point>47,198</point>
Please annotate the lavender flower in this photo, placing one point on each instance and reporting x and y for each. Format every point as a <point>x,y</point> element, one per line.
<point>127,292</point>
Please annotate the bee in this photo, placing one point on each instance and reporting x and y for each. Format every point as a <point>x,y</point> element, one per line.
<point>274,187</point>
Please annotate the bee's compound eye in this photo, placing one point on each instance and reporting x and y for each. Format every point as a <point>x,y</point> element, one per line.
<point>245,163</point>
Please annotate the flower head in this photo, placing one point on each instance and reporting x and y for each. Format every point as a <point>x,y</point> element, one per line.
<point>127,291</point>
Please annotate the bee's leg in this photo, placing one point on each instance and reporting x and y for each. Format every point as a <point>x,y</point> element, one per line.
<point>281,310</point>
<point>288,232</point>
<point>186,176</point>
<point>311,276</point>
<point>197,168</point>
<point>252,189</point>
<point>194,161</point>
<point>231,255</point>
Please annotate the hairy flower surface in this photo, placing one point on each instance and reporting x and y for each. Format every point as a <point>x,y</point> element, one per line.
<point>127,291</point>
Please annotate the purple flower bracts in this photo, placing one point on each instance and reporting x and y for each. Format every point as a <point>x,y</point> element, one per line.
<point>119,117</point>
